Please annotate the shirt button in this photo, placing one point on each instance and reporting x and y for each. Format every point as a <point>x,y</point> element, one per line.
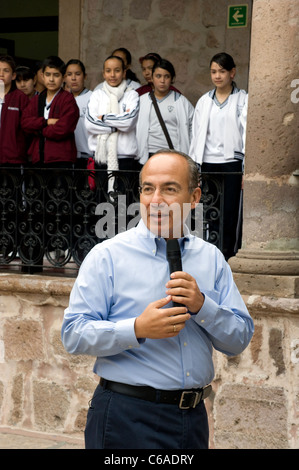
<point>188,373</point>
<point>185,344</point>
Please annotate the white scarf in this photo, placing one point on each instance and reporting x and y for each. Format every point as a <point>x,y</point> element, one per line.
<point>106,151</point>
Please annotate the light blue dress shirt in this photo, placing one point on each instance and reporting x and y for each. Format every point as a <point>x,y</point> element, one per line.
<point>116,282</point>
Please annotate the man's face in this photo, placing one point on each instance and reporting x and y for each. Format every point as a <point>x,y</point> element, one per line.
<point>165,199</point>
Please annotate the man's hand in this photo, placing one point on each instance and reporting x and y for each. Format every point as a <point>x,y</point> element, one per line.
<point>158,322</point>
<point>184,290</point>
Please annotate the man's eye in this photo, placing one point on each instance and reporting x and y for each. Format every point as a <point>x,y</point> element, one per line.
<point>147,190</point>
<point>171,190</point>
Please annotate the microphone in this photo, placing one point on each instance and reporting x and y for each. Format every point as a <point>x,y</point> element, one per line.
<point>174,259</point>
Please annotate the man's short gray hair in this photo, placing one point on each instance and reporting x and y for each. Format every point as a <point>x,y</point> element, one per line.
<point>193,168</point>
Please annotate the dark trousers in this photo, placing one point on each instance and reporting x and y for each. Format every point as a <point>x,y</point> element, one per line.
<point>116,421</point>
<point>232,205</point>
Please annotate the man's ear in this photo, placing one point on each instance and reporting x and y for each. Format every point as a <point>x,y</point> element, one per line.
<point>196,195</point>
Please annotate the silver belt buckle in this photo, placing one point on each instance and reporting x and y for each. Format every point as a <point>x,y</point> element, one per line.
<point>196,399</point>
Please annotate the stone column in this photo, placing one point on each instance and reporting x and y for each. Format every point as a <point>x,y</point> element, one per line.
<point>267,264</point>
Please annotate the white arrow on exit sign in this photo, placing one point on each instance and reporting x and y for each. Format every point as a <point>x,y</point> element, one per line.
<point>236,16</point>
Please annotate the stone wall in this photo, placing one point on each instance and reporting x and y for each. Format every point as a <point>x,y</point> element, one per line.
<point>254,403</point>
<point>42,388</point>
<point>188,33</point>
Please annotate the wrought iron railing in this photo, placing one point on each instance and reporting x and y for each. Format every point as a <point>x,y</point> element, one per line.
<point>51,218</point>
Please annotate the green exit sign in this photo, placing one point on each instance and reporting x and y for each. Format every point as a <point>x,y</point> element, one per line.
<point>237,16</point>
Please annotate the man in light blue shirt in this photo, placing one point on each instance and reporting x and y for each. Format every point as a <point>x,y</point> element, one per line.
<point>154,359</point>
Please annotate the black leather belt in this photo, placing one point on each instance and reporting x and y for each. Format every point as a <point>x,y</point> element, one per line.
<point>183,398</point>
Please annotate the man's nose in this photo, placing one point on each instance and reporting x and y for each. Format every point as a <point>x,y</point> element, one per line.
<point>157,196</point>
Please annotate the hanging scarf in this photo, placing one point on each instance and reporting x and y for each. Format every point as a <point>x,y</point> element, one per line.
<point>106,150</point>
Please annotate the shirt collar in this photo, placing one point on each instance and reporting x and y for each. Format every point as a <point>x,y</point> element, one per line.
<point>84,91</point>
<point>48,105</point>
<point>154,241</point>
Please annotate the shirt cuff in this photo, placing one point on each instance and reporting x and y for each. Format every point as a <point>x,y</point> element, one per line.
<point>206,314</point>
<point>125,334</point>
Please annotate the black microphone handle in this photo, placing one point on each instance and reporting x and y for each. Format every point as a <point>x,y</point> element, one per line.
<point>174,259</point>
<point>175,264</point>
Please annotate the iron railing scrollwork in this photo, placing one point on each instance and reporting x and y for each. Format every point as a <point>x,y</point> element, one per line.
<point>51,218</point>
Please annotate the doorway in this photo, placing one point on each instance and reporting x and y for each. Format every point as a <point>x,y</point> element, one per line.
<point>29,30</point>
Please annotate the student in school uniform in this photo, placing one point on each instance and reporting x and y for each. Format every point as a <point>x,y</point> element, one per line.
<point>13,150</point>
<point>111,119</point>
<point>176,111</point>
<point>218,143</point>
<point>74,78</point>
<point>52,118</point>
<point>13,144</point>
<point>26,81</point>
